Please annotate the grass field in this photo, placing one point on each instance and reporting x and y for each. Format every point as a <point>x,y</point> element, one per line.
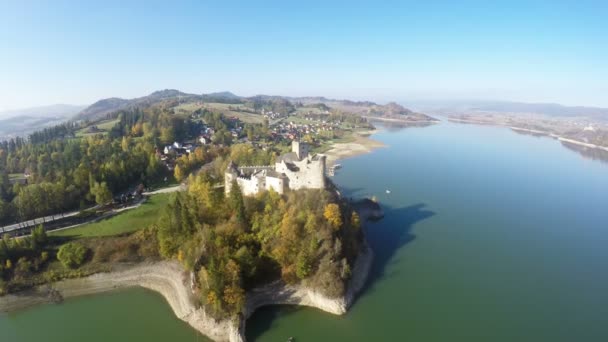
<point>222,108</point>
<point>103,126</point>
<point>128,221</point>
<point>306,110</point>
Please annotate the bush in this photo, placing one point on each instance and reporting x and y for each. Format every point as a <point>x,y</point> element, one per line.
<point>72,254</point>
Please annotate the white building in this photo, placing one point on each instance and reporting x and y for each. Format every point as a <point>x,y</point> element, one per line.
<point>294,170</point>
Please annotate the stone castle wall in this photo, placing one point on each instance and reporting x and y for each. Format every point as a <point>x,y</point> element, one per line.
<point>310,173</point>
<point>306,173</point>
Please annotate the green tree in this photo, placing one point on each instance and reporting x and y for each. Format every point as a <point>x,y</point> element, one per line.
<point>101,192</point>
<point>303,265</point>
<point>38,238</point>
<point>236,202</point>
<point>167,135</point>
<point>72,254</point>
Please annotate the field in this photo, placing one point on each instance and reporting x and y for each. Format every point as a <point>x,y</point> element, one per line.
<point>309,110</point>
<point>103,126</point>
<point>222,108</point>
<point>129,221</point>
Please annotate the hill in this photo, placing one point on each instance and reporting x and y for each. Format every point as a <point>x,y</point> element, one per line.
<point>103,107</point>
<point>521,109</point>
<point>281,104</point>
<point>21,122</point>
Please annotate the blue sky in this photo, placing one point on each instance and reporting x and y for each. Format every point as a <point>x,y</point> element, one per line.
<point>77,52</point>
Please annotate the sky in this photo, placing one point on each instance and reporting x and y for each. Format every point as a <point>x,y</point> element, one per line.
<point>78,52</point>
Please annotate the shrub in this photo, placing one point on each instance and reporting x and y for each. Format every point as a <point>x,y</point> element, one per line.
<point>72,254</point>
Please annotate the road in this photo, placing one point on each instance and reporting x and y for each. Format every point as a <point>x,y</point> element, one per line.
<point>51,218</point>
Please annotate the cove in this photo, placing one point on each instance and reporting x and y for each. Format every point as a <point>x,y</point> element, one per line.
<point>127,315</point>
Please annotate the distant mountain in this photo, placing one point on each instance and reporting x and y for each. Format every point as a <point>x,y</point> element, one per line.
<point>390,110</point>
<point>21,122</point>
<point>223,94</point>
<point>222,97</point>
<point>550,109</point>
<point>511,108</point>
<point>102,107</point>
<point>57,110</point>
<point>21,126</point>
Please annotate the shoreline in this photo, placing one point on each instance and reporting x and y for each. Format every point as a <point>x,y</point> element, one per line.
<point>403,121</point>
<point>175,284</point>
<point>171,281</point>
<point>362,144</point>
<point>534,131</point>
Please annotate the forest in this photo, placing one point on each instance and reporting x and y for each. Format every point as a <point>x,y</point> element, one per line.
<point>66,172</point>
<point>235,243</point>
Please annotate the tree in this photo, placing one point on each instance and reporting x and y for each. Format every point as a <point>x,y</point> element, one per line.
<point>333,215</point>
<point>303,265</point>
<point>72,254</point>
<point>179,173</point>
<point>125,143</point>
<point>4,212</point>
<point>167,135</point>
<point>101,192</point>
<point>236,202</point>
<point>38,238</point>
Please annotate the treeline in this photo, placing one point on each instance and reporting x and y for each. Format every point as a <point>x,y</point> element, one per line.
<point>274,104</point>
<point>234,243</point>
<point>158,124</point>
<point>71,173</point>
<point>61,131</point>
<point>20,258</point>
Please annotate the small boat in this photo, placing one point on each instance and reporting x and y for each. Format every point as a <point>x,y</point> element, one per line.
<point>338,166</point>
<point>291,339</point>
<point>388,191</point>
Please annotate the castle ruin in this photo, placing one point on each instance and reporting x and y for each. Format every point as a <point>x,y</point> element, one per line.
<point>294,170</point>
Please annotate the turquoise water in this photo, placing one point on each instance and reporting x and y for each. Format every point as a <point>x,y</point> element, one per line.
<point>131,315</point>
<point>488,236</point>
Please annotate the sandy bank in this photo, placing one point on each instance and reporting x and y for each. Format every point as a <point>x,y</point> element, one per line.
<point>361,144</point>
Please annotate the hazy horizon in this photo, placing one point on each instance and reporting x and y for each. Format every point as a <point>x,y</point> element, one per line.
<point>74,53</point>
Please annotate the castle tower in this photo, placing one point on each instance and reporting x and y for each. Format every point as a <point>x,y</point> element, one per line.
<point>230,175</point>
<point>300,149</point>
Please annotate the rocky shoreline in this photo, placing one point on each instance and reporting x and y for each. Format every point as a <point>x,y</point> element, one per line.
<point>175,284</point>
<point>170,280</point>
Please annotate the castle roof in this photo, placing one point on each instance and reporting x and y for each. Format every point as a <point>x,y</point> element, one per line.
<point>288,157</point>
<point>275,174</point>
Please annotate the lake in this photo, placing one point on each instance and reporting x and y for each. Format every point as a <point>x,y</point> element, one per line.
<point>488,236</point>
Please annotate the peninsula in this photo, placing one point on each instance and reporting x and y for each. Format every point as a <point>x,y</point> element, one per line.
<point>255,221</point>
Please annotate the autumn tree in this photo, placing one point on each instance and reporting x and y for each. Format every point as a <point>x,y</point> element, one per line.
<point>178,173</point>
<point>333,215</point>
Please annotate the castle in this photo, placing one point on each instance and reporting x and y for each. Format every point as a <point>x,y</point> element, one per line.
<point>293,170</point>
